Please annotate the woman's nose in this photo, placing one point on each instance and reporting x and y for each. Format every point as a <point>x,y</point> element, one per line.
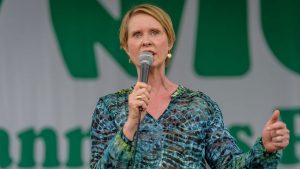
<point>146,42</point>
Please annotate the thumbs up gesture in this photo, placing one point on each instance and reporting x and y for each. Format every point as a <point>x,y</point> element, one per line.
<point>275,135</point>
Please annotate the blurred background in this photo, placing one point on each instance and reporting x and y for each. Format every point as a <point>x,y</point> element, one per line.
<point>58,57</point>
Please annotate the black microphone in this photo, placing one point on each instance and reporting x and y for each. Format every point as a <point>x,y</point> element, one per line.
<point>146,59</point>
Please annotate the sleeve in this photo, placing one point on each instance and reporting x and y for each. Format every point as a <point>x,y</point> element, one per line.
<point>109,146</point>
<point>223,152</point>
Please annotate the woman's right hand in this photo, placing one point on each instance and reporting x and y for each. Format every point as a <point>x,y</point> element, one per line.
<point>137,99</point>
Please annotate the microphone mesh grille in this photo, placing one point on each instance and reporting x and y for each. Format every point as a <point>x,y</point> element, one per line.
<point>146,57</point>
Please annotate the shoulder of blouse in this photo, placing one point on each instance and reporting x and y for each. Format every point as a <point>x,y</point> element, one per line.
<point>186,92</point>
<point>113,97</point>
<point>205,102</point>
<point>111,102</point>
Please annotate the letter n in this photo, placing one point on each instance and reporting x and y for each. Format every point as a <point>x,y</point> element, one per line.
<point>5,159</point>
<point>28,140</point>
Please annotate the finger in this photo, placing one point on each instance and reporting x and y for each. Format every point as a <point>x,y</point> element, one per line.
<point>140,85</point>
<point>281,145</point>
<point>149,88</point>
<point>141,104</point>
<point>280,132</point>
<point>141,92</point>
<point>139,97</point>
<point>147,95</point>
<point>276,126</point>
<point>281,138</point>
<point>144,97</point>
<point>145,100</point>
<point>277,139</point>
<point>275,116</point>
<point>134,100</point>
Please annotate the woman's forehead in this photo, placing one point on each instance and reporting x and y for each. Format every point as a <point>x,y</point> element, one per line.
<point>140,21</point>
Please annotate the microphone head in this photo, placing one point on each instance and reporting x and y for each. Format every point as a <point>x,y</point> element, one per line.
<point>146,58</point>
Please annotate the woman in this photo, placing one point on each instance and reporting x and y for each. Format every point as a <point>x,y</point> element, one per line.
<point>179,128</point>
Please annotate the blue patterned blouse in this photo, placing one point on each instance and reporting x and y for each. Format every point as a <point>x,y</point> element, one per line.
<point>189,134</point>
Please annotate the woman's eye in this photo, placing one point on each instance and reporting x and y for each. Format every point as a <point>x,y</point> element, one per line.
<point>154,32</point>
<point>137,35</point>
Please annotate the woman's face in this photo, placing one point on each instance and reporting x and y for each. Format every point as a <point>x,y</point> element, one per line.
<point>147,34</point>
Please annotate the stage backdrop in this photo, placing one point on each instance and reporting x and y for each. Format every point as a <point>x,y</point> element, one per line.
<point>58,57</point>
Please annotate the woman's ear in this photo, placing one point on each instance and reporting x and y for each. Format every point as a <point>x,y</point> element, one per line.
<point>126,50</point>
<point>171,46</point>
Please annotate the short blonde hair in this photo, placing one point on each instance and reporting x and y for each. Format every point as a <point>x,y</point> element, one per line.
<point>157,13</point>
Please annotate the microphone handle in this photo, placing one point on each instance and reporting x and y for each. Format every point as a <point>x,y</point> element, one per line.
<point>144,77</point>
<point>144,72</point>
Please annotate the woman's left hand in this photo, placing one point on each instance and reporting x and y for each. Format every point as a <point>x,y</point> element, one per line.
<point>275,135</point>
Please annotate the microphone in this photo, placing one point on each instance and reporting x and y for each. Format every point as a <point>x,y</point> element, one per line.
<point>146,59</point>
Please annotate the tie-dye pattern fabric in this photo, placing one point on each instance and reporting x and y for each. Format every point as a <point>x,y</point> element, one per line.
<point>189,134</point>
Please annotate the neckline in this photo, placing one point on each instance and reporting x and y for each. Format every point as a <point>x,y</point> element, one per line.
<point>179,90</point>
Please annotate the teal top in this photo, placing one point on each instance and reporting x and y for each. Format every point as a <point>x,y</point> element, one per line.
<point>189,134</point>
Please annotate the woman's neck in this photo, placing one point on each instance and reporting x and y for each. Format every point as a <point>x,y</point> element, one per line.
<point>160,83</point>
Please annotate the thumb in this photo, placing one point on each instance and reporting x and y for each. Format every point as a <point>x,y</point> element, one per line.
<point>274,117</point>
